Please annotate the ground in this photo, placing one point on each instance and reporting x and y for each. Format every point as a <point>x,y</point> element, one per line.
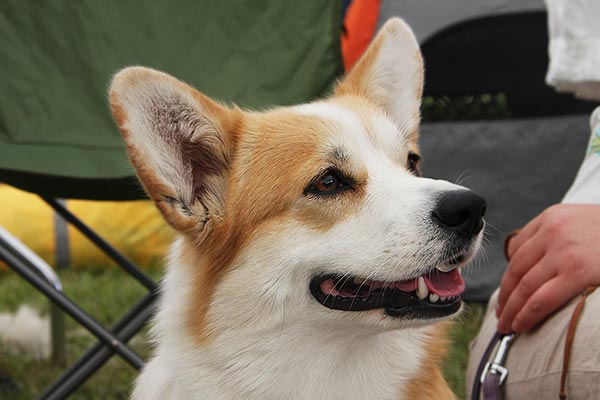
<point>106,294</point>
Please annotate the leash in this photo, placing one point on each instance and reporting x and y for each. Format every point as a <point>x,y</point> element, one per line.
<point>569,341</point>
<point>491,376</point>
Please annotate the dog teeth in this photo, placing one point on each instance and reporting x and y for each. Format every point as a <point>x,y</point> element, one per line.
<point>434,298</point>
<point>444,268</point>
<point>443,298</point>
<point>422,290</point>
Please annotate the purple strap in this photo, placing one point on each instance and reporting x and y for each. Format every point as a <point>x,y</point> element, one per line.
<point>491,387</point>
<point>475,390</point>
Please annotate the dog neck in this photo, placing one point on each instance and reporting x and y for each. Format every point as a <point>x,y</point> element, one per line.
<point>301,362</point>
<point>266,359</point>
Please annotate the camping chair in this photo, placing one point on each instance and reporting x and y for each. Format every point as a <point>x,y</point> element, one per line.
<point>58,140</point>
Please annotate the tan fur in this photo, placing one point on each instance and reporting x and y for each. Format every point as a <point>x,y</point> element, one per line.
<point>278,153</point>
<point>429,383</point>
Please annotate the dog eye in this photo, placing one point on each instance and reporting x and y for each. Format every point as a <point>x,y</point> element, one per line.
<point>413,163</point>
<point>328,183</point>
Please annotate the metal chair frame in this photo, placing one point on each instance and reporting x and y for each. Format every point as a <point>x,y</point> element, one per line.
<point>111,341</point>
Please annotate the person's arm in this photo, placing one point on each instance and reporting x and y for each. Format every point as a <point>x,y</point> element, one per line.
<point>554,258</point>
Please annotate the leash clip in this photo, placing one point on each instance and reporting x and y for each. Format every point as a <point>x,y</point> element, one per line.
<point>497,367</point>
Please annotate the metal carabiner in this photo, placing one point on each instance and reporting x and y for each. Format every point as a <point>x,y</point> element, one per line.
<point>497,367</point>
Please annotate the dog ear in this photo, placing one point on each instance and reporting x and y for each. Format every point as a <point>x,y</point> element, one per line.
<point>178,140</point>
<point>390,73</point>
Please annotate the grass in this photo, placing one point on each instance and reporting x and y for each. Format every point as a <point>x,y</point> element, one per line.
<point>462,333</point>
<point>465,108</point>
<point>106,294</point>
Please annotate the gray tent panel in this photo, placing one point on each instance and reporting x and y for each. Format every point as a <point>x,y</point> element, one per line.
<point>519,166</point>
<point>427,17</point>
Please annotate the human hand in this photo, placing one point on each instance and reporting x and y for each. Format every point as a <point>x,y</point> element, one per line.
<point>554,257</point>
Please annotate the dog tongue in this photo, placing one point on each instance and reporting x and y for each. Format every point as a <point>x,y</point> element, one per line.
<point>447,284</point>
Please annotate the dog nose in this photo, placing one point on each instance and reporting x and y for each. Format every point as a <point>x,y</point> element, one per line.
<point>461,211</point>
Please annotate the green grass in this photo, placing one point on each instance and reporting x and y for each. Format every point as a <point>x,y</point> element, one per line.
<point>462,333</point>
<point>465,108</point>
<point>106,294</point>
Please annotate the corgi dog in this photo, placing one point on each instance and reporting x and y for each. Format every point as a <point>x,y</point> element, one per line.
<point>313,261</point>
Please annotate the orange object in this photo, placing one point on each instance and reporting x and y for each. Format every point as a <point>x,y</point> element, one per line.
<point>359,26</point>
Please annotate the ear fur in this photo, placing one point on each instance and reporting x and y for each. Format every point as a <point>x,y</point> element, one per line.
<point>390,73</point>
<point>179,142</point>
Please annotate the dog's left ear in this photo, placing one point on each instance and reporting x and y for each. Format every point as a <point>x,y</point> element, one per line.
<point>390,73</point>
<point>180,143</point>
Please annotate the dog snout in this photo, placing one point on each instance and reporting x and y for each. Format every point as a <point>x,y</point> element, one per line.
<point>461,211</point>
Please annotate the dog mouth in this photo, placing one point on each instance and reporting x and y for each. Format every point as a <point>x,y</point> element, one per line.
<point>433,295</point>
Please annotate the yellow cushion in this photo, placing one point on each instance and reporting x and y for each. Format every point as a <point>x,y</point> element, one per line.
<point>135,228</point>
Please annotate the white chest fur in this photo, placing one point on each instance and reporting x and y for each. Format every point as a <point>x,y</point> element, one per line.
<point>295,360</point>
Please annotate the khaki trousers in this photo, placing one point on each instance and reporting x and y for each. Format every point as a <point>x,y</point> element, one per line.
<point>535,359</point>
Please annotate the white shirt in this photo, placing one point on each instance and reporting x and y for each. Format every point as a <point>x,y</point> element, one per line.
<point>586,187</point>
<point>574,48</point>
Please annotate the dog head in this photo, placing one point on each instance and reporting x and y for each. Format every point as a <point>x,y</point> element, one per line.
<point>316,212</point>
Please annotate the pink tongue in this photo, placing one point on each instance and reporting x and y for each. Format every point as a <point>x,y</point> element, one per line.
<point>405,286</point>
<point>445,284</point>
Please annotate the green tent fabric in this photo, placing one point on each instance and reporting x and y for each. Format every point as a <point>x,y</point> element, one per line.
<point>57,136</point>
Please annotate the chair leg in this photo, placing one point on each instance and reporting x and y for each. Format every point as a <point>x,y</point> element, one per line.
<point>18,249</point>
<point>124,263</point>
<point>109,342</point>
<point>20,266</point>
<point>98,355</point>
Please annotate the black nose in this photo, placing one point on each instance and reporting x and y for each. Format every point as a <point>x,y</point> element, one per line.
<point>461,211</point>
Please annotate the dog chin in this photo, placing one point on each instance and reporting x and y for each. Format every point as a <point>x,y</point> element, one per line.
<point>377,321</point>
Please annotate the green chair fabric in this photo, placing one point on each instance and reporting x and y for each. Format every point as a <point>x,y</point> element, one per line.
<point>57,136</point>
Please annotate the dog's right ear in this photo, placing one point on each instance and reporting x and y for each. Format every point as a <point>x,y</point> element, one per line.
<point>390,73</point>
<point>179,142</point>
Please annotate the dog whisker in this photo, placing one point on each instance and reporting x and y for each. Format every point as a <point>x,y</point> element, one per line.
<point>500,231</point>
<point>462,177</point>
<point>343,278</point>
<point>375,270</point>
<point>408,122</point>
